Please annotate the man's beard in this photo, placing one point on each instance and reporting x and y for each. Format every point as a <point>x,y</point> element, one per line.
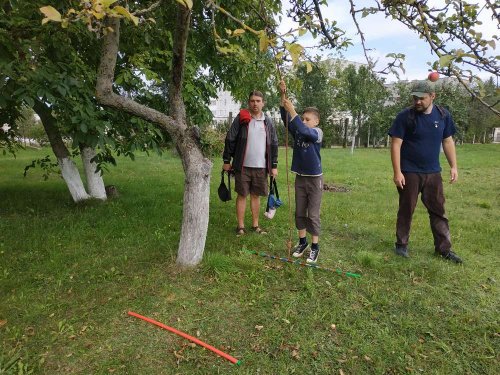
<point>421,108</point>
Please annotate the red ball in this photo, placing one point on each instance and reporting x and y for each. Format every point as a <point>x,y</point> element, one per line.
<point>433,76</point>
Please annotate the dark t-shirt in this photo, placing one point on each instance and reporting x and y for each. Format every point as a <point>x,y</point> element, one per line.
<point>422,139</point>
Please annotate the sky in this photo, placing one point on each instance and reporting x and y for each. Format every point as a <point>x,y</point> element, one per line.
<point>383,36</point>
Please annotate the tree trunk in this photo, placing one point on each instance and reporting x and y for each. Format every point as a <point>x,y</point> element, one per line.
<point>71,176</point>
<point>368,137</point>
<point>69,171</point>
<point>353,134</point>
<point>197,168</point>
<point>346,128</point>
<point>95,182</point>
<point>195,211</point>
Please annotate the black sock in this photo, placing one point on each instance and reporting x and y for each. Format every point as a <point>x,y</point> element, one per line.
<point>302,240</point>
<point>315,246</point>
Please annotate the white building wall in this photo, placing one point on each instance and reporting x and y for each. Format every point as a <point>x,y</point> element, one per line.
<point>496,135</point>
<point>223,106</point>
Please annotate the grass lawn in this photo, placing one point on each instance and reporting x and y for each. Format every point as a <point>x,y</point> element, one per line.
<point>70,273</point>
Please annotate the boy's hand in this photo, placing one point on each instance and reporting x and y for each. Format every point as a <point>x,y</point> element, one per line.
<point>287,104</point>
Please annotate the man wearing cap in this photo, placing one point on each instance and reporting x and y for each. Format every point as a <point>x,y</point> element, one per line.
<point>418,132</point>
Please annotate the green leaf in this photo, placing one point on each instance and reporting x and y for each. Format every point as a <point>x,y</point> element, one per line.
<point>295,52</point>
<point>125,13</point>
<point>302,31</point>
<point>51,14</point>
<point>445,60</point>
<point>186,3</point>
<point>238,32</point>
<point>309,67</point>
<point>107,3</point>
<point>29,101</point>
<point>83,127</point>
<point>263,41</point>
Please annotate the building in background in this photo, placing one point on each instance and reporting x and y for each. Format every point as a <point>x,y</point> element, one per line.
<point>224,108</point>
<point>496,135</point>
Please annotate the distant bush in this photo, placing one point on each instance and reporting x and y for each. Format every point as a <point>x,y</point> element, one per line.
<point>212,140</point>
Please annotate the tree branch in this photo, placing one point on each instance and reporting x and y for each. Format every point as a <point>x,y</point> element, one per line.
<point>433,46</point>
<point>361,35</point>
<point>147,10</point>
<point>104,85</point>
<point>177,107</point>
<point>326,33</point>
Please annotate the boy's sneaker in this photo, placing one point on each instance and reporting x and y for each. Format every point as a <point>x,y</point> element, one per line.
<point>298,251</point>
<point>313,255</point>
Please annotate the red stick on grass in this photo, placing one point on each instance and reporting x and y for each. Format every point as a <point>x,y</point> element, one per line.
<point>186,336</point>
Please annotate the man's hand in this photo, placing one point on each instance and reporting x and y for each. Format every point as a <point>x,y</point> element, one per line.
<point>226,167</point>
<point>453,175</point>
<point>399,180</point>
<point>274,172</point>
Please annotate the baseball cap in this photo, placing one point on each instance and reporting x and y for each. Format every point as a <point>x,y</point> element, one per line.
<point>421,88</point>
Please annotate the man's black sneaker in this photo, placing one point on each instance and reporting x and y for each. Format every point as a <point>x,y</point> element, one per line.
<point>402,251</point>
<point>450,255</point>
<point>298,251</point>
<point>313,255</point>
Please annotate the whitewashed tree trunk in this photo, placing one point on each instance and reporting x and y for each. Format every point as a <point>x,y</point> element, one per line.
<point>368,140</point>
<point>354,131</point>
<point>71,176</point>
<point>95,182</point>
<point>69,171</point>
<point>195,209</point>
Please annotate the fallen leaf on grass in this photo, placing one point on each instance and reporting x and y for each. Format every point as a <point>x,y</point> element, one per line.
<point>258,328</point>
<point>367,359</point>
<point>3,322</point>
<point>341,372</point>
<point>177,355</point>
<point>30,331</point>
<point>295,354</point>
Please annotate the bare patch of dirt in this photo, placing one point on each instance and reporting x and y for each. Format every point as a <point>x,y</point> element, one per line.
<point>335,188</point>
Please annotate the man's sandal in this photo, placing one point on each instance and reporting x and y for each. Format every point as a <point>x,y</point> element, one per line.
<point>240,231</point>
<point>259,230</point>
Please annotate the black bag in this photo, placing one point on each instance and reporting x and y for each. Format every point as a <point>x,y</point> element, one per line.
<point>223,191</point>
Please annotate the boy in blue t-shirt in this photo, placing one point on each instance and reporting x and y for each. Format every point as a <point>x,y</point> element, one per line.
<point>306,164</point>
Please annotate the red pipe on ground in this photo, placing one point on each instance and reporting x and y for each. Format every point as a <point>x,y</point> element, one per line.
<point>186,336</point>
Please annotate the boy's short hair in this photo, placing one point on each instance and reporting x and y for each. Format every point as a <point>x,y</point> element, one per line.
<point>313,110</point>
<point>256,93</point>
